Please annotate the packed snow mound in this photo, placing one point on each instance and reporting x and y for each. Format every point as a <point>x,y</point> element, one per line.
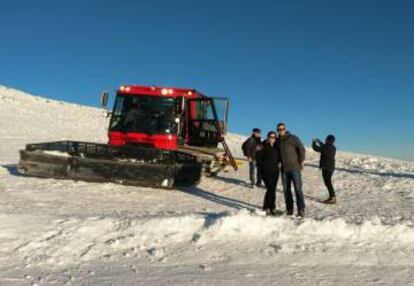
<point>57,232</point>
<point>73,240</point>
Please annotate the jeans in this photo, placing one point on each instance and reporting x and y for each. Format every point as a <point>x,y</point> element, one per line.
<point>327,178</point>
<point>255,172</point>
<point>252,171</point>
<point>294,177</point>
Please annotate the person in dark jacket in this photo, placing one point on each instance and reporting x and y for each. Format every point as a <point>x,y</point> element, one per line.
<point>292,155</point>
<point>270,159</point>
<point>250,149</point>
<point>259,165</point>
<point>327,163</point>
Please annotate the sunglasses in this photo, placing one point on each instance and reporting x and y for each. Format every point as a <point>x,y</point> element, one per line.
<point>272,137</point>
<point>281,129</point>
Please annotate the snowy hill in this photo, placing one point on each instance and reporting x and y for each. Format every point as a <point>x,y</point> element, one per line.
<point>56,232</point>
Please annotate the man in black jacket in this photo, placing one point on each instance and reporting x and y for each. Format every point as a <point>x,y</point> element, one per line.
<point>250,148</point>
<point>292,154</point>
<point>327,163</point>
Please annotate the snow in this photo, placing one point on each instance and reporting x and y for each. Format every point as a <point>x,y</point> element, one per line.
<point>62,232</point>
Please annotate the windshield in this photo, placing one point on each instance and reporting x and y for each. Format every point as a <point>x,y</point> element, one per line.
<point>143,114</point>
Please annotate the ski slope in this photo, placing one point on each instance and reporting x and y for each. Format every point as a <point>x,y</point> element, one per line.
<point>62,232</point>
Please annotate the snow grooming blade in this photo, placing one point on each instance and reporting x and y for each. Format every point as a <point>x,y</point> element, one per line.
<point>128,164</point>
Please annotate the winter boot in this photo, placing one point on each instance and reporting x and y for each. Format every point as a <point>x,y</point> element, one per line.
<point>276,212</point>
<point>289,212</point>
<point>330,201</point>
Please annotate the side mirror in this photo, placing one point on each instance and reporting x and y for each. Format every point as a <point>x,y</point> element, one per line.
<point>104,98</point>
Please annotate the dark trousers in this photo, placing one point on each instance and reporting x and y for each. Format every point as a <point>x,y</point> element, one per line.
<point>270,179</point>
<point>327,178</point>
<point>294,177</point>
<point>259,169</point>
<point>255,171</point>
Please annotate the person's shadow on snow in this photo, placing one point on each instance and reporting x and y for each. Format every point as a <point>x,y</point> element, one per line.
<point>370,172</point>
<point>233,181</point>
<point>222,200</point>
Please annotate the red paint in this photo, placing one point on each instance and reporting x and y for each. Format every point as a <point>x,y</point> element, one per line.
<point>159,141</point>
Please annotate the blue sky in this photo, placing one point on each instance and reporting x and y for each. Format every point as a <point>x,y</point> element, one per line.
<point>342,67</point>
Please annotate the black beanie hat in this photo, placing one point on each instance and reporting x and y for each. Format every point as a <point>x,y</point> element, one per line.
<point>331,138</point>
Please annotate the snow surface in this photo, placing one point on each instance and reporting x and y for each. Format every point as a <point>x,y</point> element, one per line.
<point>62,232</point>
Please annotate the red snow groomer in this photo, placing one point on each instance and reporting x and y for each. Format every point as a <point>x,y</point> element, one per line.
<point>158,136</point>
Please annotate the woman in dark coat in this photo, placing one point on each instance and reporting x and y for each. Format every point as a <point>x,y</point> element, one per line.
<point>270,159</point>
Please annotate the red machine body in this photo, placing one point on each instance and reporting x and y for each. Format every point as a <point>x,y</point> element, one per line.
<point>160,139</point>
